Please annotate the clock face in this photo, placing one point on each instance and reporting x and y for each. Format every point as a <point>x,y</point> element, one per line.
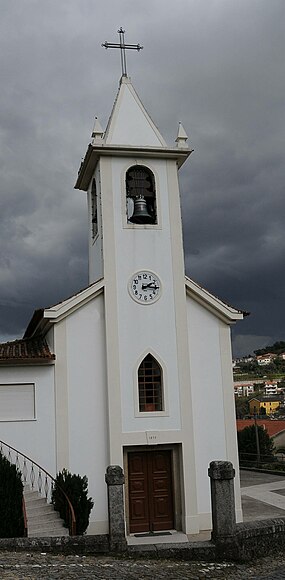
<point>145,287</point>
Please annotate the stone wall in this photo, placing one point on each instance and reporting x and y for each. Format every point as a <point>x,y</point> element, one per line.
<point>251,541</point>
<point>66,544</point>
<point>230,541</point>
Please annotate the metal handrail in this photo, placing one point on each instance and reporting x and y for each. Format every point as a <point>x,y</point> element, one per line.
<point>25,517</point>
<point>41,486</point>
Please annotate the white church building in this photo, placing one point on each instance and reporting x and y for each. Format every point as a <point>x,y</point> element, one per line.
<point>136,369</point>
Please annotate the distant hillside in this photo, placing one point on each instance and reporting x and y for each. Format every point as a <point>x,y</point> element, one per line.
<point>275,348</point>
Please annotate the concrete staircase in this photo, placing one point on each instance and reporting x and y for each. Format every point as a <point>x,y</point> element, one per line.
<point>43,520</point>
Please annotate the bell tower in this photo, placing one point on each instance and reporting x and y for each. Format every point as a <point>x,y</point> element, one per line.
<point>140,202</point>
<point>135,244</point>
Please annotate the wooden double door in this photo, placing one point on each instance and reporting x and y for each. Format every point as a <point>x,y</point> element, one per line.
<point>150,491</point>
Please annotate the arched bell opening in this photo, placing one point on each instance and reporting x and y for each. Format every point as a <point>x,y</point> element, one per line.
<point>94,210</point>
<point>141,198</point>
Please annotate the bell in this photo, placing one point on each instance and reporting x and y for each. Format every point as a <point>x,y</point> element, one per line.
<point>141,215</point>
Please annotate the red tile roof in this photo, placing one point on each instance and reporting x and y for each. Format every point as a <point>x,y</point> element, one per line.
<point>272,427</point>
<point>28,350</point>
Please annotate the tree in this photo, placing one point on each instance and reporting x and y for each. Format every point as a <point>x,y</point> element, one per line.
<point>11,500</point>
<point>247,444</point>
<point>242,407</point>
<point>76,489</point>
<point>258,388</point>
<point>276,348</point>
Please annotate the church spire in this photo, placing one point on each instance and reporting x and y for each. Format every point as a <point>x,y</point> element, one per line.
<point>129,123</point>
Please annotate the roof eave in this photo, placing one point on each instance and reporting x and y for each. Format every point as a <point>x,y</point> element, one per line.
<point>94,152</point>
<point>34,323</point>
<point>226,313</point>
<point>60,311</point>
<point>43,319</point>
<point>28,361</point>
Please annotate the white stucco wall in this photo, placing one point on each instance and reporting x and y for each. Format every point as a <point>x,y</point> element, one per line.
<point>35,438</point>
<point>211,408</point>
<point>87,404</point>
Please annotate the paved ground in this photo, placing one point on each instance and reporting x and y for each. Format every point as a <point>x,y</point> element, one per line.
<point>263,496</point>
<point>22,566</point>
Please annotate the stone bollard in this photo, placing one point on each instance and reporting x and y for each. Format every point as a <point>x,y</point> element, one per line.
<point>115,480</point>
<point>222,475</point>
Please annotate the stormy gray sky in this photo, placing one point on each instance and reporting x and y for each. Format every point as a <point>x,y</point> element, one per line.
<point>217,66</point>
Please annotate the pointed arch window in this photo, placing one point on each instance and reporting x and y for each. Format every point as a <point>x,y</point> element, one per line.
<point>150,385</point>
<point>141,196</point>
<point>94,210</point>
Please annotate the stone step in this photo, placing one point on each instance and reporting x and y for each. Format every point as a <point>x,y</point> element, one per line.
<point>46,526</point>
<point>38,510</point>
<point>46,517</point>
<point>40,502</point>
<point>49,534</point>
<point>52,532</point>
<point>33,492</point>
<point>42,519</point>
<point>34,496</point>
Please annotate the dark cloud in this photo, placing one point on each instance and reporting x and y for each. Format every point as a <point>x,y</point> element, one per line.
<point>219,68</point>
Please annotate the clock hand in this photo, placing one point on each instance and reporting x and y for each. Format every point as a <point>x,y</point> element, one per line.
<point>150,285</point>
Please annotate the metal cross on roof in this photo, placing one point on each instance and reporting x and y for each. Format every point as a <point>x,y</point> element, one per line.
<point>123,47</point>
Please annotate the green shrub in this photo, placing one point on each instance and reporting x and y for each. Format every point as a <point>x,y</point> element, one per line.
<point>11,500</point>
<point>247,444</point>
<point>76,489</point>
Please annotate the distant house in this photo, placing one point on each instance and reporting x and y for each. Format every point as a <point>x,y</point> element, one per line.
<point>265,359</point>
<point>244,359</point>
<point>272,427</point>
<point>275,430</point>
<point>282,355</point>
<point>269,403</point>
<point>248,359</point>
<point>243,389</point>
<point>236,361</point>
<point>271,388</point>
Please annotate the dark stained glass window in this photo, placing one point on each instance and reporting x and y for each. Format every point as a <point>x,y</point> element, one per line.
<point>150,385</point>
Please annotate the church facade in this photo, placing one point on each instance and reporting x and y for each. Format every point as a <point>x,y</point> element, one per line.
<point>135,370</point>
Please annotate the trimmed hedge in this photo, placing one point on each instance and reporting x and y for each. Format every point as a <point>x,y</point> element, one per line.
<point>76,489</point>
<point>11,500</point>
